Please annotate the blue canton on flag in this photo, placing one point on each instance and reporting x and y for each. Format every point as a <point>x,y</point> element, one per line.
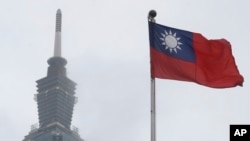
<point>172,42</point>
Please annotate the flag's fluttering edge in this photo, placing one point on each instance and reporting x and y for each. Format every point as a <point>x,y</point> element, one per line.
<point>187,56</point>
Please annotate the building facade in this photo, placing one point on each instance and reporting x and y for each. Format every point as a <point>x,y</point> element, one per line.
<point>55,99</point>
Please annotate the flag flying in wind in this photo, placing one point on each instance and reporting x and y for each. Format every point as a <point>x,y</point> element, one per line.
<point>187,56</point>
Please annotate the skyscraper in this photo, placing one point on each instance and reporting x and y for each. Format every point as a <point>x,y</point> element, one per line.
<point>55,99</point>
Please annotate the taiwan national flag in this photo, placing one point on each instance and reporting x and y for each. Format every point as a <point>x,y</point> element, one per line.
<point>187,56</point>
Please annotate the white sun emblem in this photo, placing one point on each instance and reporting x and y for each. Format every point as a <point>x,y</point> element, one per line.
<point>170,41</point>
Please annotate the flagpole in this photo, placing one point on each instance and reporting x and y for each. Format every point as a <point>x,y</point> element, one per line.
<point>153,111</point>
<point>151,15</point>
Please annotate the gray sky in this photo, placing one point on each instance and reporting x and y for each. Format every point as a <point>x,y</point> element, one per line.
<point>107,48</point>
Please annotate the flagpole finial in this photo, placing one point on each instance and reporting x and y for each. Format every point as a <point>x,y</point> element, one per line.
<point>151,15</point>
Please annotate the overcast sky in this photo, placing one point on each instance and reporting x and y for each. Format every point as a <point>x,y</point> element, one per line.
<point>107,48</point>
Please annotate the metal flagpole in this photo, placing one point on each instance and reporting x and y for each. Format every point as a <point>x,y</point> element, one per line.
<point>151,15</point>
<point>153,111</point>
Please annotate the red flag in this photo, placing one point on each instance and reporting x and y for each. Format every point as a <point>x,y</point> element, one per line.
<point>187,56</point>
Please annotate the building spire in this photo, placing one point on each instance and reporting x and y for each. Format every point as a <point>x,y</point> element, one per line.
<point>57,48</point>
<point>55,99</point>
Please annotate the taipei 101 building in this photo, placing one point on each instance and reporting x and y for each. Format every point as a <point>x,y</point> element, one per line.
<point>55,99</point>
